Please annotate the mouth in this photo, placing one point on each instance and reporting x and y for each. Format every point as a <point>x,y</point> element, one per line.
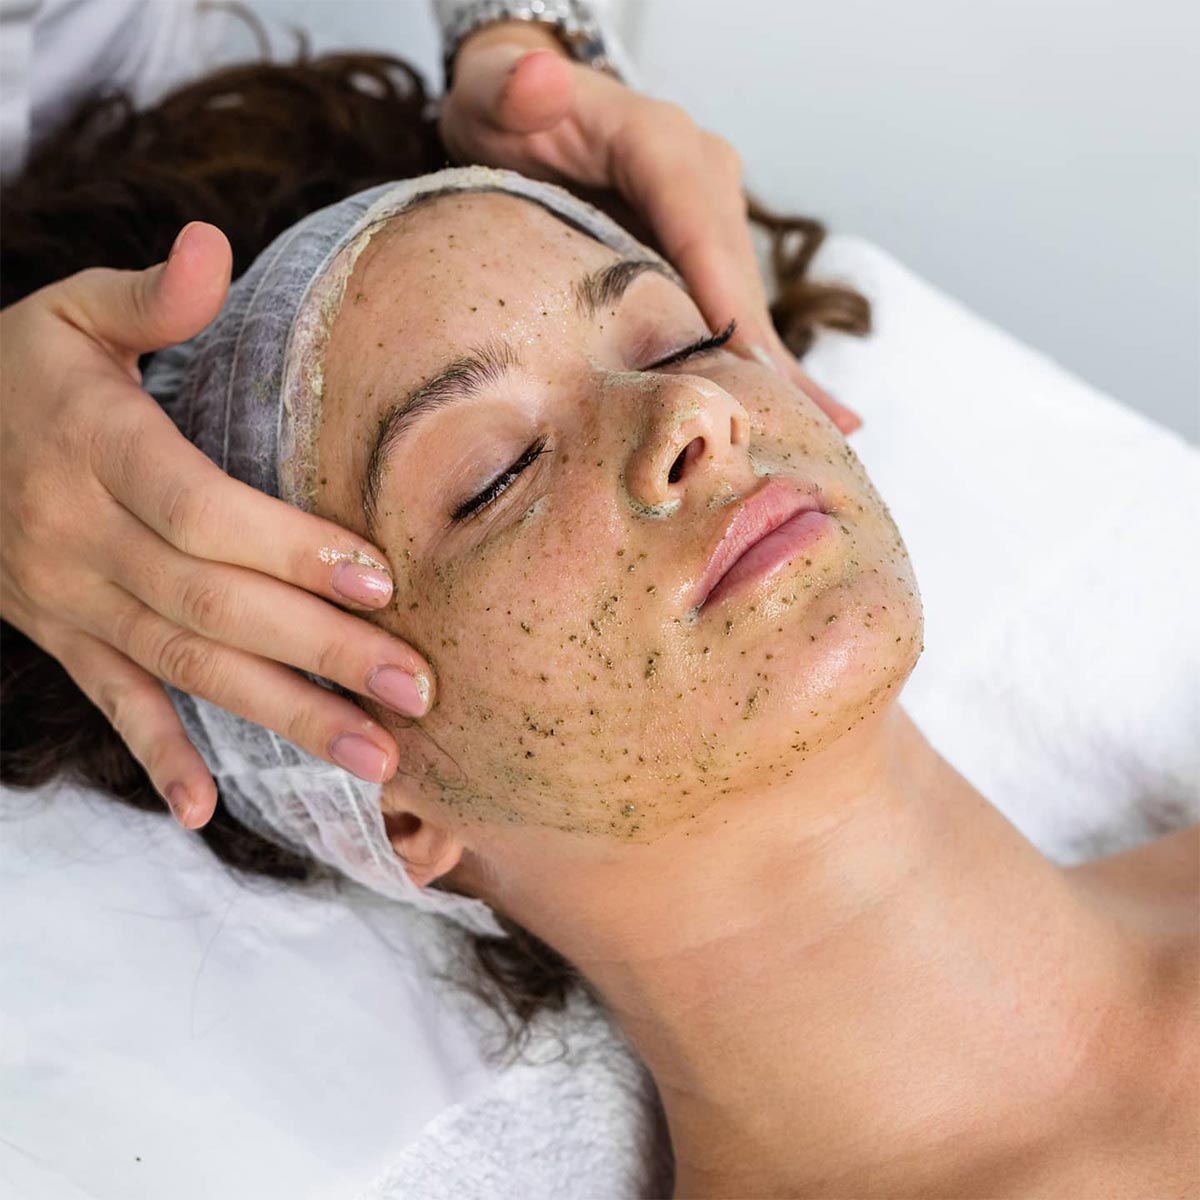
<point>766,532</point>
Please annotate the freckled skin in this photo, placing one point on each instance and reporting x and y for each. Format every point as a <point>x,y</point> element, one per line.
<point>576,689</point>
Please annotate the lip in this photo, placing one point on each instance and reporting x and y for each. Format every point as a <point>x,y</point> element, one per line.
<point>764,511</point>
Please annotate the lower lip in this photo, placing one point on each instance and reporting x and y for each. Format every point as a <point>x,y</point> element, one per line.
<point>772,553</point>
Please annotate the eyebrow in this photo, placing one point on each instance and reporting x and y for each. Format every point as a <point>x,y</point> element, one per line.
<point>466,377</point>
<point>606,286</point>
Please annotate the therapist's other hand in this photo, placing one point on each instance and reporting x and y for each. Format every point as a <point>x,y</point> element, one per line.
<point>131,558</point>
<point>519,102</point>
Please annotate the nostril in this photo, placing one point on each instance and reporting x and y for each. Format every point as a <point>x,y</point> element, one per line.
<point>691,451</point>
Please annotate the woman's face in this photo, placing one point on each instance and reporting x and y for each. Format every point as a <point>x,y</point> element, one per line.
<point>549,508</point>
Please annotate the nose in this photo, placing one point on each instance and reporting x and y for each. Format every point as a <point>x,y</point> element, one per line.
<point>694,428</point>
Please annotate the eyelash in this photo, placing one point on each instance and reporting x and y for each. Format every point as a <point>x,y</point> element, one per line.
<point>503,481</point>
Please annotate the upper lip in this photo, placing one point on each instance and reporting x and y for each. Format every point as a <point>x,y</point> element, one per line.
<point>758,515</point>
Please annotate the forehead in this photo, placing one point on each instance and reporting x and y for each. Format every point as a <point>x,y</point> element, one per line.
<point>499,248</point>
<point>456,272</point>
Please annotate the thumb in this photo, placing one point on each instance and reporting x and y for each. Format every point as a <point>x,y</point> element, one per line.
<point>163,305</point>
<point>514,89</point>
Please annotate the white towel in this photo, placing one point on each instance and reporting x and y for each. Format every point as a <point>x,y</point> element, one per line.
<point>1054,538</point>
<point>164,1031</point>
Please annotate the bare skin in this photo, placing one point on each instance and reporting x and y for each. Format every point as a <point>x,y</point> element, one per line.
<point>847,972</point>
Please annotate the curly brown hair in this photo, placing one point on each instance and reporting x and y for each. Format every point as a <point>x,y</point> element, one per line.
<point>253,149</point>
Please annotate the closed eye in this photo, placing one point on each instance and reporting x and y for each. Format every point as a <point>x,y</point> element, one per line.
<point>492,492</point>
<point>714,341</point>
<point>499,485</point>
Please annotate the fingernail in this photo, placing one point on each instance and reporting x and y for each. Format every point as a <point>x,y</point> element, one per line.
<point>178,802</point>
<point>407,694</point>
<point>179,240</point>
<point>363,585</point>
<point>764,359</point>
<point>359,756</point>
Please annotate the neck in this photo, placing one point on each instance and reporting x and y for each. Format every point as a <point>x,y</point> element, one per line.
<point>845,990</point>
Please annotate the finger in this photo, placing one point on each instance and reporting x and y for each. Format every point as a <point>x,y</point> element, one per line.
<point>175,489</point>
<point>696,208</point>
<point>140,311</point>
<point>713,271</point>
<point>237,607</point>
<point>709,243</point>
<point>510,89</point>
<point>139,710</point>
<point>536,95</point>
<point>319,721</point>
<point>846,419</point>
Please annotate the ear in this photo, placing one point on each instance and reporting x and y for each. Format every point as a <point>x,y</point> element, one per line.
<point>427,849</point>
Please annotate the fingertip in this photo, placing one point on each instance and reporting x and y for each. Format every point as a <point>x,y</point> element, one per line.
<point>201,246</point>
<point>846,419</point>
<point>204,802</point>
<point>199,265</point>
<point>391,763</point>
<point>192,805</point>
<point>368,586</point>
<point>425,688</point>
<point>537,92</point>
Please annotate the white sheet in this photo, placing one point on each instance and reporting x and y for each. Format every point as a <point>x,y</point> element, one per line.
<point>1054,535</point>
<point>165,1032</point>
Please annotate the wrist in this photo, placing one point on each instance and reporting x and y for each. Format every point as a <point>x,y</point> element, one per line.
<point>567,27</point>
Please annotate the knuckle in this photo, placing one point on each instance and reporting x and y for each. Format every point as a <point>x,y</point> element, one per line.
<point>68,297</point>
<point>39,583</point>
<point>309,732</point>
<point>187,510</point>
<point>206,605</point>
<point>76,416</point>
<point>160,755</point>
<point>89,279</point>
<point>35,518</point>
<point>127,629</point>
<point>123,705</point>
<point>187,661</point>
<point>306,724</point>
<point>672,117</point>
<point>728,160</point>
<point>328,661</point>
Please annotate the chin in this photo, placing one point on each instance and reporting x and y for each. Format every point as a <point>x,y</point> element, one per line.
<point>813,671</point>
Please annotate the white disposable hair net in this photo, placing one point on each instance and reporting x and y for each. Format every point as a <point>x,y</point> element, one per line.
<point>247,391</point>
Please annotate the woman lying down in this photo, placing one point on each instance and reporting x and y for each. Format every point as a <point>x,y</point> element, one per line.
<point>671,619</point>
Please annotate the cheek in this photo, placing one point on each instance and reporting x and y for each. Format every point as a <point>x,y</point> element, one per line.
<point>783,416</point>
<point>571,697</point>
<point>529,636</point>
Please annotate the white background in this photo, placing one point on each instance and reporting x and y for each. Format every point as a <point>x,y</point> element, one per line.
<point>1038,160</point>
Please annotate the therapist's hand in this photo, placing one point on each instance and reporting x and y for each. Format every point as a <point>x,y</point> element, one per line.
<point>131,558</point>
<point>518,101</point>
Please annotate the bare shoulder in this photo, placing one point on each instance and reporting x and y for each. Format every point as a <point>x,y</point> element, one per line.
<point>1155,889</point>
<point>1163,872</point>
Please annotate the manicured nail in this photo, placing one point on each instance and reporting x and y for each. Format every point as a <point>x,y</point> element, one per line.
<point>407,694</point>
<point>178,803</point>
<point>363,585</point>
<point>359,756</point>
